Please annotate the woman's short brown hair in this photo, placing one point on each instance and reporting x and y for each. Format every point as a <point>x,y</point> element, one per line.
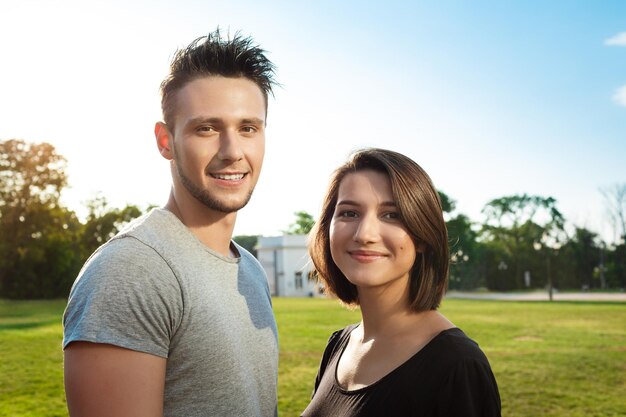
<point>420,210</point>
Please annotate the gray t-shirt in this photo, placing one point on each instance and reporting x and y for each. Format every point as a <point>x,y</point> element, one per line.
<point>156,288</point>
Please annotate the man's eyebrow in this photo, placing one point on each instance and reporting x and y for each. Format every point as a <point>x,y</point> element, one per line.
<point>218,120</point>
<point>252,120</point>
<point>200,120</point>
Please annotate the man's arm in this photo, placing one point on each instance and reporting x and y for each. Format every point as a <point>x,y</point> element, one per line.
<point>106,380</point>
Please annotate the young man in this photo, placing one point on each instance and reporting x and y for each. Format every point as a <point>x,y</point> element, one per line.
<point>171,317</point>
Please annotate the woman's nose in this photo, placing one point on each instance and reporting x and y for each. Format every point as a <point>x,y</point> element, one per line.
<point>367,230</point>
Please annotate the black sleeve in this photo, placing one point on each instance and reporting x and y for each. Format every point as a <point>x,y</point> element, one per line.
<point>469,390</point>
<point>333,341</point>
<point>328,353</point>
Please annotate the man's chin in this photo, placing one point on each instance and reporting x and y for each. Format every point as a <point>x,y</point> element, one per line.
<point>223,206</point>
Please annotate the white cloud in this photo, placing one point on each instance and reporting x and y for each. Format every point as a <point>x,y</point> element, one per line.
<point>620,96</point>
<point>617,40</point>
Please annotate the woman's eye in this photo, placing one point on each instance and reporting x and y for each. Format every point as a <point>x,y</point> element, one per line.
<point>347,213</point>
<point>392,215</point>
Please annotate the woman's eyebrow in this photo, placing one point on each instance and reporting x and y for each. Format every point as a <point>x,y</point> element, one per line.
<point>354,203</point>
<point>347,203</point>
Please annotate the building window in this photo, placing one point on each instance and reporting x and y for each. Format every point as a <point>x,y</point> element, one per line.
<point>298,280</point>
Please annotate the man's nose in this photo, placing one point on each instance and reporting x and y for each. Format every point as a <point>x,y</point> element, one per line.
<point>230,146</point>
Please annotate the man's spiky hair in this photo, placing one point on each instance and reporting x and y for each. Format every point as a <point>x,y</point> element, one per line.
<point>214,55</point>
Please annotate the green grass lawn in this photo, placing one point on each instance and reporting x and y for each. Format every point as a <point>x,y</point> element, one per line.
<point>550,359</point>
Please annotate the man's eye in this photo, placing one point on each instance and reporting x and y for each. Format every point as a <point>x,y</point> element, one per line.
<point>248,129</point>
<point>206,129</point>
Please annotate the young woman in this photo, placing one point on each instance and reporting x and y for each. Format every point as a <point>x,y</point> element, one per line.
<point>381,243</point>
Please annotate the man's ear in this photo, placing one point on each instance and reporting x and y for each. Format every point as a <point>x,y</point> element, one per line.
<point>163,140</point>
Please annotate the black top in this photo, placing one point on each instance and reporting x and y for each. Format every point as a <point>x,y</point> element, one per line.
<point>449,377</point>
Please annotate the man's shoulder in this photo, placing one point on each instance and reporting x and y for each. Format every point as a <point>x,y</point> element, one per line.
<point>156,225</point>
<point>134,251</point>
<point>122,261</point>
<point>157,233</point>
<point>245,255</point>
<point>122,248</point>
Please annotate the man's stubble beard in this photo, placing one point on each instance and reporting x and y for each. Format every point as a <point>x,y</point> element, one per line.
<point>205,197</point>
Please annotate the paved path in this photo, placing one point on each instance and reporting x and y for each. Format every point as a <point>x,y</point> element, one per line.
<point>539,296</point>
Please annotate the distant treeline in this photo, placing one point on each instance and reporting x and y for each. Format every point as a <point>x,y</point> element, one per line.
<point>523,242</point>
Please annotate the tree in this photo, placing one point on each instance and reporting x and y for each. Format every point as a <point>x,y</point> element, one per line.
<point>516,224</point>
<point>47,257</point>
<point>615,199</point>
<point>302,225</point>
<point>616,267</point>
<point>448,205</point>
<point>38,237</point>
<point>104,222</point>
<point>580,257</point>
<point>29,173</point>
<point>464,261</point>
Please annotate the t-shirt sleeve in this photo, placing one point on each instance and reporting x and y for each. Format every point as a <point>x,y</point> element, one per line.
<point>469,389</point>
<point>328,353</point>
<point>126,295</point>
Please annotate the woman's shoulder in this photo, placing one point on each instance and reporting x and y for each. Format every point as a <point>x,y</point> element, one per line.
<point>340,336</point>
<point>456,346</point>
<point>464,375</point>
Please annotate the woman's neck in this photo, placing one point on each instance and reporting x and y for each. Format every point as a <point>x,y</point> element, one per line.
<point>388,314</point>
<point>384,311</point>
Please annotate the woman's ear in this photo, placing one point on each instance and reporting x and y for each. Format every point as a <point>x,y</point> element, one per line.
<point>163,140</point>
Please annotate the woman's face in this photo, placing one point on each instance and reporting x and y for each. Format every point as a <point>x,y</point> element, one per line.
<point>368,241</point>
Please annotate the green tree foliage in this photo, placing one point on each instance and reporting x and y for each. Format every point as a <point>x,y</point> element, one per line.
<point>616,266</point>
<point>465,254</point>
<point>43,244</point>
<point>581,258</point>
<point>302,225</point>
<point>513,226</point>
<point>448,205</point>
<point>38,237</point>
<point>103,222</point>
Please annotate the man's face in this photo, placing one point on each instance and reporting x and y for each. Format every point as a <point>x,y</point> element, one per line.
<point>219,140</point>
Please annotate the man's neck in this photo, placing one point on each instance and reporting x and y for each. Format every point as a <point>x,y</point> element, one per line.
<point>214,229</point>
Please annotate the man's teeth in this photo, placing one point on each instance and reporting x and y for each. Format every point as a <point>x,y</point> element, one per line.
<point>229,177</point>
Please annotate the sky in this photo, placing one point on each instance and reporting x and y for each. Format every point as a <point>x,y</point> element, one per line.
<point>490,98</point>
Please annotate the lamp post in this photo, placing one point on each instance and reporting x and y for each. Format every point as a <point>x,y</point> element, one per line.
<point>502,266</point>
<point>537,246</point>
<point>555,246</point>
<point>602,279</point>
<point>549,274</point>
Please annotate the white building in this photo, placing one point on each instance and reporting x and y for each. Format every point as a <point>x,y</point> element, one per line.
<point>287,265</point>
